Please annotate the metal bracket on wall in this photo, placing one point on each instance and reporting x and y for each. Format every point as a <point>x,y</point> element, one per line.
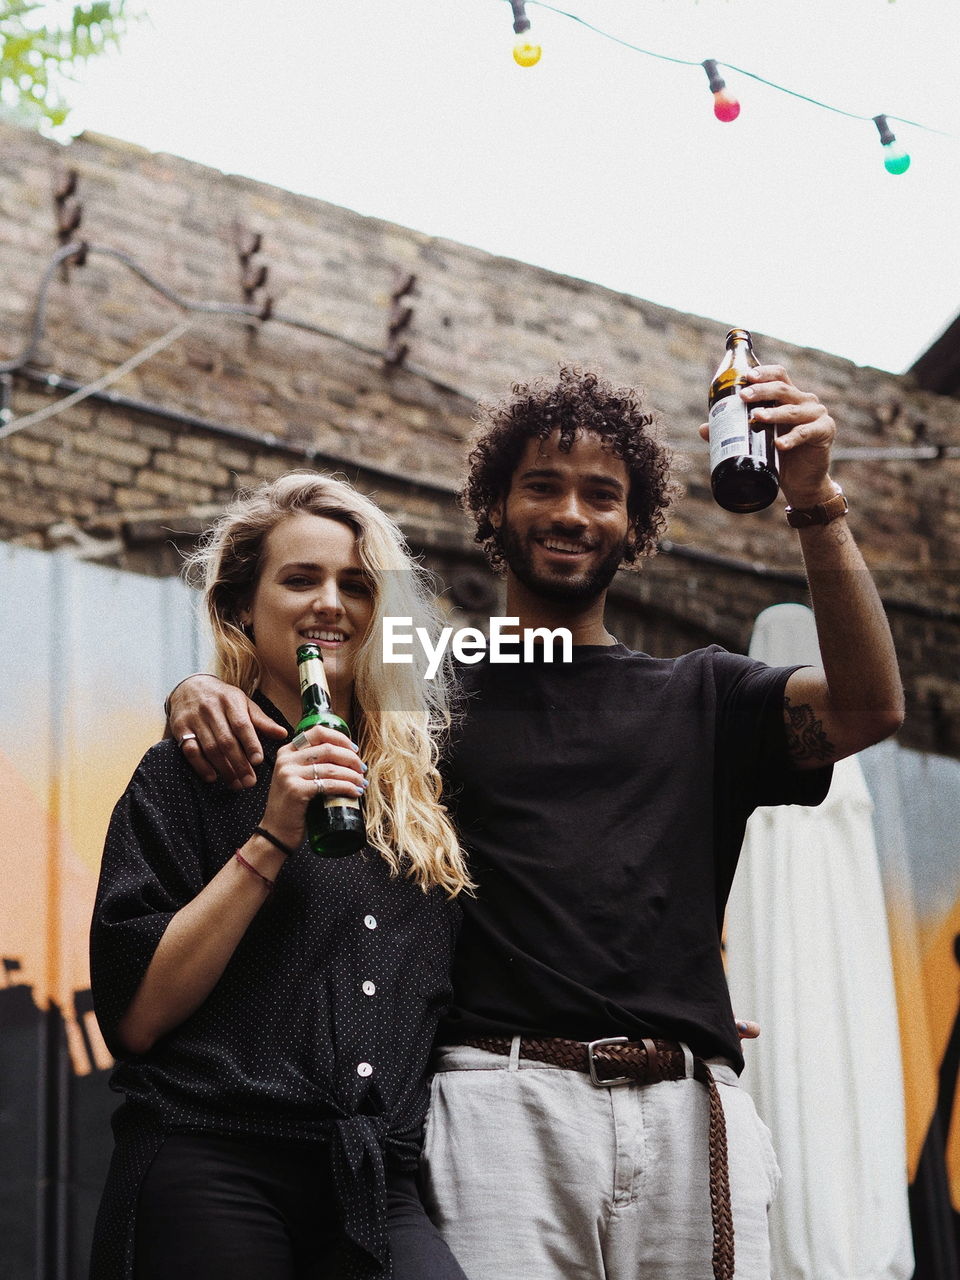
<point>253,275</point>
<point>401,314</point>
<point>68,210</point>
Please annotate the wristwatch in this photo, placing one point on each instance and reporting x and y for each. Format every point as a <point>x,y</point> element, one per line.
<point>822,513</point>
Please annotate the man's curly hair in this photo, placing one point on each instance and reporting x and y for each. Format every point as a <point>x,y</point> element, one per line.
<point>579,401</point>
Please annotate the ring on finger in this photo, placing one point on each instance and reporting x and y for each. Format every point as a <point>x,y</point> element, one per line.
<point>319,782</point>
<point>187,737</point>
<point>316,772</point>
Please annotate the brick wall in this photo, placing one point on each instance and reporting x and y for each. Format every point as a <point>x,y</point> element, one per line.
<point>129,475</point>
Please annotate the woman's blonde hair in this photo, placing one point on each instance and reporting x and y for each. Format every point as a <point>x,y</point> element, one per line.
<point>402,715</point>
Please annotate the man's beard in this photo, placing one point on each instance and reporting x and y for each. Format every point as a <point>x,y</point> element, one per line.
<point>581,589</point>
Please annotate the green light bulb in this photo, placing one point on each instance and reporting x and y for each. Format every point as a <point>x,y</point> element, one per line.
<point>895,159</point>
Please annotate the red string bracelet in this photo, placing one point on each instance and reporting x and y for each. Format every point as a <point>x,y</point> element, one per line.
<point>250,867</point>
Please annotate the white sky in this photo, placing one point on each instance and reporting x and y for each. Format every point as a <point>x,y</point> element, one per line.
<point>599,162</point>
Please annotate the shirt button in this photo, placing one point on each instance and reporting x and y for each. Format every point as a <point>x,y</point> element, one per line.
<point>364,1069</point>
<point>369,988</point>
<point>370,921</point>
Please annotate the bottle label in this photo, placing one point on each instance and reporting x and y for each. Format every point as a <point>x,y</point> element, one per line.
<point>731,435</point>
<point>313,675</point>
<point>340,802</point>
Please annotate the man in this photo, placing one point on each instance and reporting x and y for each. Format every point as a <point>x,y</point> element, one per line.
<point>603,804</point>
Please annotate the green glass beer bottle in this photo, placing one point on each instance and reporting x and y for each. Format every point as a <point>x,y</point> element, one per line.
<point>334,823</point>
<point>743,462</point>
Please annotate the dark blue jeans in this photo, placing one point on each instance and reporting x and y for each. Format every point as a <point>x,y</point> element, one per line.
<point>215,1208</point>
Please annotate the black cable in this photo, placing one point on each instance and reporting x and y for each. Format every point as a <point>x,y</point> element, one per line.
<point>81,249</point>
<point>251,312</point>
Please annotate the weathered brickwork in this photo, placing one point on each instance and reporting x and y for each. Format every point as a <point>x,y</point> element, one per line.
<point>131,475</point>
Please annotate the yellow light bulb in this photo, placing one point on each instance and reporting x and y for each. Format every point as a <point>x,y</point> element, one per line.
<point>525,53</point>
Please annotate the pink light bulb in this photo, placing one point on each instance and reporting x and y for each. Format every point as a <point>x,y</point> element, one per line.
<point>725,107</point>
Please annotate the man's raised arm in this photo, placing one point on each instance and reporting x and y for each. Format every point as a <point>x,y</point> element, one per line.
<point>856,699</point>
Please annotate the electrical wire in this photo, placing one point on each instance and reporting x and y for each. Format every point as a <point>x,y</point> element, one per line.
<point>771,84</point>
<point>242,310</point>
<point>251,312</point>
<point>91,388</point>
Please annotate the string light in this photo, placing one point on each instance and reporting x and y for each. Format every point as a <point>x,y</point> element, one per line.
<point>725,105</point>
<point>895,159</point>
<point>525,52</point>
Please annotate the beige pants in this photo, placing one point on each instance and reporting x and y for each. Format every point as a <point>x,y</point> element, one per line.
<point>533,1173</point>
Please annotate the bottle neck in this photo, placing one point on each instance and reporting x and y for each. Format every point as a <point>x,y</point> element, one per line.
<point>740,353</point>
<point>314,690</point>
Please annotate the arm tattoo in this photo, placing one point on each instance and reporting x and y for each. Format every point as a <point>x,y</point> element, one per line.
<point>806,739</point>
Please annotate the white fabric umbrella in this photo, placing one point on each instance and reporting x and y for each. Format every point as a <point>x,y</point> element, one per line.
<point>808,957</point>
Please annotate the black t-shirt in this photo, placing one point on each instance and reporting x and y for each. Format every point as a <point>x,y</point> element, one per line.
<point>603,804</point>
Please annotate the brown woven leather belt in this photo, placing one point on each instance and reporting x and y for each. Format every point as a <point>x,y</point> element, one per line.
<point>618,1060</point>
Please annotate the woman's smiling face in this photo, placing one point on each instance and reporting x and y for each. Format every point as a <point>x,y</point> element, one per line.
<point>311,588</point>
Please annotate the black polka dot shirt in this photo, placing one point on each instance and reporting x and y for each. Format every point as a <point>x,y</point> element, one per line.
<point>318,1031</point>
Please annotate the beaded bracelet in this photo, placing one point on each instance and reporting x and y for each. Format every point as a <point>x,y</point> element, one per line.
<point>250,867</point>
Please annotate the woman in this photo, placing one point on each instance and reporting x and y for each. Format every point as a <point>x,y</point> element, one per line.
<point>272,1011</point>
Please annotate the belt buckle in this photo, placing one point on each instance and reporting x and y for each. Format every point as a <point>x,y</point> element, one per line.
<point>594,1078</point>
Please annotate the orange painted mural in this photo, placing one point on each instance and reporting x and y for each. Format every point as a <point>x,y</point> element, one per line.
<point>917,800</point>
<point>89,654</point>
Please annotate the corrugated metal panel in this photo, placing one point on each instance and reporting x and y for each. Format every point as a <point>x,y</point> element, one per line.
<point>88,656</point>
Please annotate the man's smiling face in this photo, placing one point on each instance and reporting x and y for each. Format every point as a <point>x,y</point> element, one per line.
<point>564,525</point>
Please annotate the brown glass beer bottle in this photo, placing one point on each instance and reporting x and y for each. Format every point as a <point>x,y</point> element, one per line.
<point>743,462</point>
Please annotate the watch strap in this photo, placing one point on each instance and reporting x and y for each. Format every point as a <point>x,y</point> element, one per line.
<point>822,513</point>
